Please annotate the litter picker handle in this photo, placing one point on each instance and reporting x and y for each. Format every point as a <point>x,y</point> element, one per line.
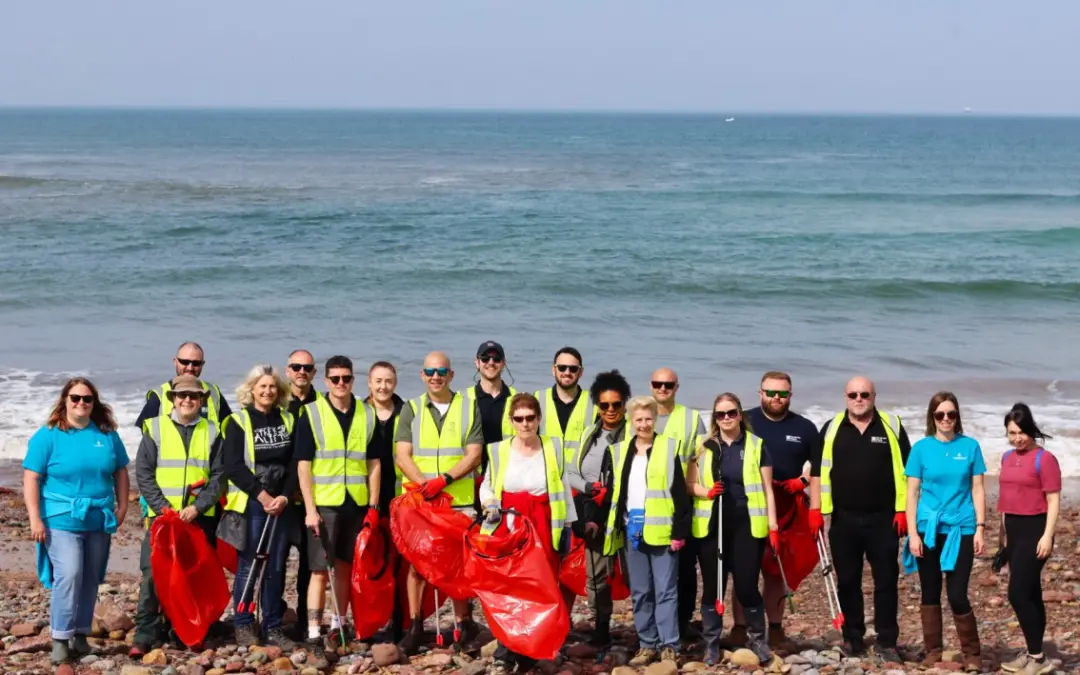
<point>192,490</point>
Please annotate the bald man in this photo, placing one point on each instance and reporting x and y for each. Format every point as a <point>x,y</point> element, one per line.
<point>189,360</point>
<point>439,442</point>
<point>858,478</point>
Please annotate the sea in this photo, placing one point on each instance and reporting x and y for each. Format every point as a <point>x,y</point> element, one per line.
<point>927,253</point>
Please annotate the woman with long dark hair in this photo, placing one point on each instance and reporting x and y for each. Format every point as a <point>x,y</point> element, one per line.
<point>75,485</point>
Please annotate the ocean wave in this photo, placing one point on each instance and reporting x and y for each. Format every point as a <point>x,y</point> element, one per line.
<point>880,197</point>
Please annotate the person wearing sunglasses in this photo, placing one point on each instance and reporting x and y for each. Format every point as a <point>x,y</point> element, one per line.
<point>526,474</point>
<point>568,409</point>
<point>491,395</point>
<point>301,371</point>
<point>733,464</point>
<point>189,360</point>
<point>75,487</point>
<point>589,475</point>
<point>439,443</point>
<point>946,501</point>
<point>859,479</point>
<point>340,478</point>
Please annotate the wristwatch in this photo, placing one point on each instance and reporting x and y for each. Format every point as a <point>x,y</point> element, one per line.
<point>448,478</point>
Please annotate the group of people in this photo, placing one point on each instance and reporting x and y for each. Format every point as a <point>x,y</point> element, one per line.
<point>645,482</point>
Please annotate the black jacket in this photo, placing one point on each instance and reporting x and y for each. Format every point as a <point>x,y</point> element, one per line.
<point>684,509</point>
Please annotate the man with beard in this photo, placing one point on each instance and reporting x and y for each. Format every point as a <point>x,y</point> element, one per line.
<point>301,372</point>
<point>491,395</point>
<point>568,409</point>
<point>189,360</point>
<point>300,369</point>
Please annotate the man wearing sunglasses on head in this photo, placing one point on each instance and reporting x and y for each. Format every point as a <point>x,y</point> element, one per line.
<point>859,478</point>
<point>189,360</point>
<point>300,369</point>
<point>568,408</point>
<point>439,443</point>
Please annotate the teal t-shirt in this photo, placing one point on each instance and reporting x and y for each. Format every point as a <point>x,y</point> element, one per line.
<point>946,470</point>
<point>76,463</point>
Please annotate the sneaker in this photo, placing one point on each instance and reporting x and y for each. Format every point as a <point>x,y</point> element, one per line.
<point>278,638</point>
<point>79,646</point>
<point>59,652</point>
<point>1034,667</point>
<point>888,654</point>
<point>644,657</point>
<point>669,654</point>
<point>245,636</point>
<point>1016,664</point>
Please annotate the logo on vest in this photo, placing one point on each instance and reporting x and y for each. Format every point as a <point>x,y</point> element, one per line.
<point>879,439</point>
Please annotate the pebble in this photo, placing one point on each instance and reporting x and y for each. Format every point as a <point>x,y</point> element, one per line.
<point>282,663</point>
<point>89,659</point>
<point>385,655</point>
<point>662,668</point>
<point>258,658</point>
<point>298,658</point>
<point>103,664</point>
<point>309,671</point>
<point>744,657</point>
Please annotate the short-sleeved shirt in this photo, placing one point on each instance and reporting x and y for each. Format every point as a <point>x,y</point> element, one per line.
<point>76,463</point>
<point>728,464</point>
<point>1022,487</point>
<point>945,471</point>
<point>792,441</point>
<point>475,434</point>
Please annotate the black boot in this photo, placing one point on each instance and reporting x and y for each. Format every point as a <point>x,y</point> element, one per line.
<point>712,624</point>
<point>414,638</point>
<point>601,636</point>
<point>755,630</point>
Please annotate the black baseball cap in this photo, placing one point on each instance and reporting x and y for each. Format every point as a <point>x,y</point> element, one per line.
<point>490,346</point>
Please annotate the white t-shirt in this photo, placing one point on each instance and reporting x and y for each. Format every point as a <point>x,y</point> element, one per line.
<point>635,489</point>
<point>525,474</point>
<point>441,407</point>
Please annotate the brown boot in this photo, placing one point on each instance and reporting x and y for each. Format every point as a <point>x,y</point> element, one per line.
<point>967,630</point>
<point>931,631</point>
<point>736,638</point>
<point>777,637</point>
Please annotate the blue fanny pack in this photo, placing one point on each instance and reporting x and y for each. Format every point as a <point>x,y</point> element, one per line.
<point>635,527</point>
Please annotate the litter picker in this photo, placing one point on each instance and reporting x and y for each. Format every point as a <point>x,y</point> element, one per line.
<point>253,584</point>
<point>333,587</point>
<point>720,557</point>
<point>783,578</point>
<point>827,573</point>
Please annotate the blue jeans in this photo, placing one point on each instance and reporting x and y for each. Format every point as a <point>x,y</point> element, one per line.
<point>78,560</point>
<point>654,581</point>
<point>273,587</point>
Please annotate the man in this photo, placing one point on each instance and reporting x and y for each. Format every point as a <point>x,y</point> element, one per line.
<point>792,442</point>
<point>300,369</point>
<point>301,372</point>
<point>566,410</point>
<point>491,395</point>
<point>177,450</point>
<point>189,360</point>
<point>859,478</point>
<point>438,447</point>
<point>340,481</point>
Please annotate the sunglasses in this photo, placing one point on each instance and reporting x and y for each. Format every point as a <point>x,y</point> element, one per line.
<point>432,372</point>
<point>522,419</point>
<point>776,393</point>
<point>75,398</point>
<point>613,405</point>
<point>568,369</point>
<point>490,359</point>
<point>730,414</point>
<point>336,379</point>
<point>942,414</point>
<point>859,394</point>
<point>198,363</point>
<point>656,384</point>
<point>188,394</point>
<point>306,367</point>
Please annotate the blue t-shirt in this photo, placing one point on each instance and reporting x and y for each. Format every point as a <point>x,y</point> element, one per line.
<point>946,470</point>
<point>76,463</point>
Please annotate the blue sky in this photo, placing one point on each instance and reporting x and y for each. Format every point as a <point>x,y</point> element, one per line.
<point>995,56</point>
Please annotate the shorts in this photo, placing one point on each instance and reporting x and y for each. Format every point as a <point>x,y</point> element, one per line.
<point>338,531</point>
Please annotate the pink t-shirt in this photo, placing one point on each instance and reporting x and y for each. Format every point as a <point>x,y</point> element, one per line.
<point>1021,489</point>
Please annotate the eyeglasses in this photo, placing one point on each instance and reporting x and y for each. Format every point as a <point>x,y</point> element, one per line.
<point>75,398</point>
<point>306,367</point>
<point>188,394</point>
<point>335,379</point>
<point>612,405</point>
<point>441,372</point>
<point>522,419</point>
<point>776,393</point>
<point>568,369</point>
<point>730,414</point>
<point>490,358</point>
<point>656,384</point>
<point>859,394</point>
<point>942,414</point>
<point>198,363</point>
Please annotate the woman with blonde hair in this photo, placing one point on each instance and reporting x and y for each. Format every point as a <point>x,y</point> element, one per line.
<point>258,454</point>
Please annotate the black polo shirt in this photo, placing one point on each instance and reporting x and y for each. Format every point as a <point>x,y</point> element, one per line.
<point>295,403</point>
<point>565,410</point>
<point>492,409</point>
<point>862,473</point>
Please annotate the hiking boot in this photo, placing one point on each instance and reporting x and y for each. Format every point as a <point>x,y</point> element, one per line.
<point>931,634</point>
<point>853,647</point>
<point>278,638</point>
<point>735,638</point>
<point>317,646</point>
<point>79,646</point>
<point>60,652</point>
<point>712,655</point>
<point>644,657</point>
<point>467,631</point>
<point>410,644</point>
<point>601,636</point>
<point>967,630</point>
<point>755,630</point>
<point>777,637</point>
<point>669,654</point>
<point>245,636</point>
<point>888,654</point>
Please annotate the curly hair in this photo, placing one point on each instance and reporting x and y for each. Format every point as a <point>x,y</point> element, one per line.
<point>610,380</point>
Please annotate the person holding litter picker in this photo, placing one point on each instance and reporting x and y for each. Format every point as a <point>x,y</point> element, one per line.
<point>179,467</point>
<point>730,479</point>
<point>258,453</point>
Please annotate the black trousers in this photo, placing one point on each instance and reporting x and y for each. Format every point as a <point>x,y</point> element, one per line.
<point>854,537</point>
<point>688,566</point>
<point>1022,534</point>
<point>956,582</point>
<point>742,562</point>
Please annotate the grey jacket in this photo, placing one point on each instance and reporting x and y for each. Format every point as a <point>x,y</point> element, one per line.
<point>146,469</point>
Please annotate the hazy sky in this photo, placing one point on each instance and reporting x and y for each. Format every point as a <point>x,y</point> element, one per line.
<point>996,56</point>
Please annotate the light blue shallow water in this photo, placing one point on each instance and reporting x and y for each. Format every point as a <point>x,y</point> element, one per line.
<point>927,252</point>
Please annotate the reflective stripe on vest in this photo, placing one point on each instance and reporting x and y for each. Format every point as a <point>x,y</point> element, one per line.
<point>756,503</point>
<point>507,427</point>
<point>553,470</point>
<point>682,425</point>
<point>892,432</point>
<point>659,506</point>
<point>177,466</point>
<point>436,451</point>
<point>213,401</point>
<point>340,464</point>
<point>583,414</point>
<point>235,498</point>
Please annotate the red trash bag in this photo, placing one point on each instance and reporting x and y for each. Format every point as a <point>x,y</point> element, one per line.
<point>188,577</point>
<point>572,572</point>
<point>510,572</point>
<point>429,534</point>
<point>373,581</point>
<point>227,556</point>
<point>798,551</point>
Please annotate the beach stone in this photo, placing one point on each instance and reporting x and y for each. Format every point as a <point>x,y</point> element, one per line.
<point>117,634</point>
<point>258,657</point>
<point>21,630</point>
<point>65,669</point>
<point>1048,596</point>
<point>894,672</point>
<point>27,645</point>
<point>298,658</point>
<point>112,617</point>
<point>89,659</point>
<point>194,669</point>
<point>662,668</point>
<point>282,663</point>
<point>488,650</point>
<point>216,671</point>
<point>103,665</point>
<point>581,650</point>
<point>135,670</point>
<point>309,671</point>
<point>272,652</point>
<point>435,661</point>
<point>385,655</point>
<point>155,657</point>
<point>812,671</point>
<point>624,670</point>
<point>694,666</point>
<point>475,668</point>
<point>169,670</point>
<point>744,657</point>
<point>235,667</point>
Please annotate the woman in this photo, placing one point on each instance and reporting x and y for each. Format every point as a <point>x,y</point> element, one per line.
<point>947,502</point>
<point>733,465</point>
<point>258,455</point>
<point>1029,500</point>
<point>75,485</point>
<point>650,513</point>
<point>526,473</point>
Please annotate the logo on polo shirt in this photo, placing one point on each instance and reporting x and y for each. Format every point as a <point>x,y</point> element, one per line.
<point>879,439</point>
<point>794,439</point>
